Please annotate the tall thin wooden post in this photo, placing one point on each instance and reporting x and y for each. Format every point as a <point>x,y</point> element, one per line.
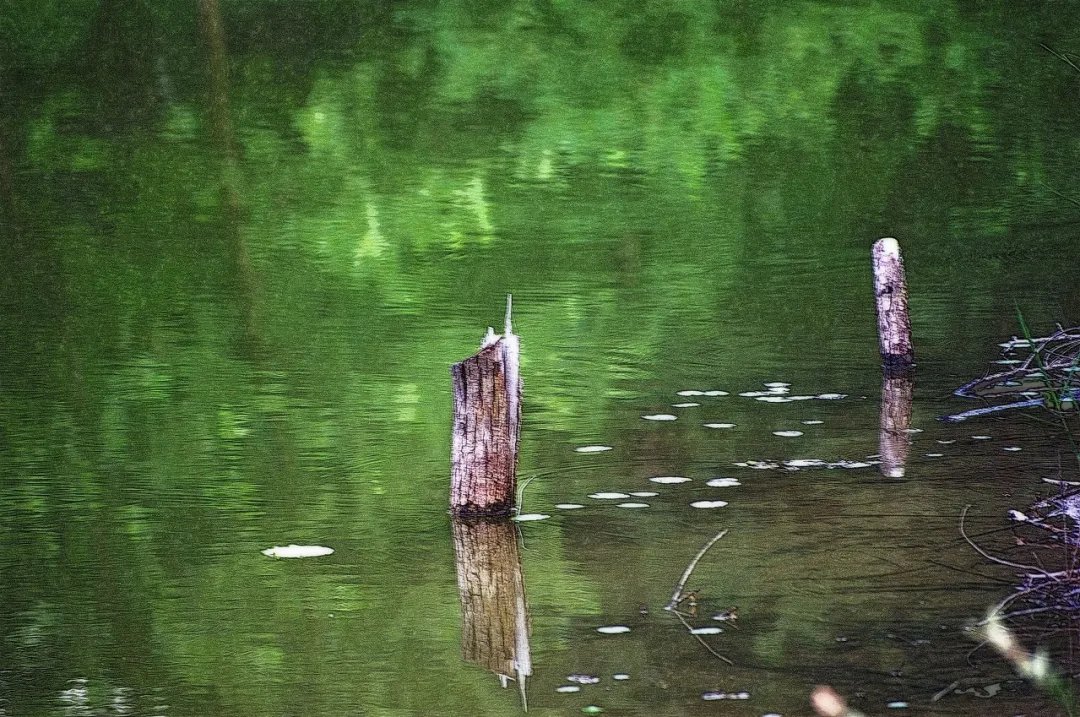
<point>487,423</point>
<point>890,292</point>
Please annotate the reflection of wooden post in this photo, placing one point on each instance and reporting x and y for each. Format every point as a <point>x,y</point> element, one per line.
<point>890,292</point>
<point>494,613</point>
<point>487,421</point>
<point>895,441</point>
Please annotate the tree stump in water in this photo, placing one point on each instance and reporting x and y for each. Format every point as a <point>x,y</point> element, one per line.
<point>891,300</point>
<point>487,423</point>
<point>494,612</point>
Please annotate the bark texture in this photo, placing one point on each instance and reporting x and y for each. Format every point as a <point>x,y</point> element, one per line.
<point>494,612</point>
<point>894,439</point>
<point>890,292</point>
<point>487,420</point>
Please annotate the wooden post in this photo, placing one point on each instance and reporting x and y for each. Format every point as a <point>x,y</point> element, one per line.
<point>494,611</point>
<point>890,292</point>
<point>894,440</point>
<point>487,422</point>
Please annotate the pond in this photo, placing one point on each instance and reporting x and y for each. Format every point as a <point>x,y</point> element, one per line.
<point>243,245</point>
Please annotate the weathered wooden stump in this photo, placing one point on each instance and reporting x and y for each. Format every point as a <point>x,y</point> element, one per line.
<point>890,292</point>
<point>494,611</point>
<point>487,423</point>
<point>894,439</point>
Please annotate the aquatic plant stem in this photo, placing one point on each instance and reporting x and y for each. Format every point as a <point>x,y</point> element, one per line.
<point>690,569</point>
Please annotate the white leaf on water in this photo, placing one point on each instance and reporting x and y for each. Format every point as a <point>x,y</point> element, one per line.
<point>527,517</point>
<point>592,449</point>
<point>723,482</point>
<point>708,504</point>
<point>608,496</point>
<point>297,551</point>
<point>660,417</point>
<point>805,463</point>
<point>669,480</point>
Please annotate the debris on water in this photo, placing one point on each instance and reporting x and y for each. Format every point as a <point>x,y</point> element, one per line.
<point>608,496</point>
<point>528,517</point>
<point>297,551</point>
<point>613,629</point>
<point>759,465</point>
<point>668,480</point>
<point>831,396</point>
<point>568,688</point>
<point>582,679</point>
<point>687,404</point>
<point>805,463</point>
<point>568,506</point>
<point>1017,516</point>
<point>719,425</point>
<point>632,505</point>
<point>690,392</point>
<point>720,695</point>
<point>660,417</point>
<point>708,504</point>
<point>705,631</point>
<point>788,434</point>
<point>592,449</point>
<point>644,493</point>
<point>722,482</point>
<point>729,615</point>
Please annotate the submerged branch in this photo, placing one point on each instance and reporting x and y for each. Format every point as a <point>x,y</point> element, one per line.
<point>673,603</point>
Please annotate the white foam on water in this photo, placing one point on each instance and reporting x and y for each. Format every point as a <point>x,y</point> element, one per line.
<point>608,496</point>
<point>669,480</point>
<point>708,504</point>
<point>660,417</point>
<point>592,449</point>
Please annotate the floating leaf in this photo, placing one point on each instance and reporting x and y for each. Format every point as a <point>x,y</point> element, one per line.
<point>297,551</point>
<point>527,517</point>
<point>722,482</point>
<point>708,504</point>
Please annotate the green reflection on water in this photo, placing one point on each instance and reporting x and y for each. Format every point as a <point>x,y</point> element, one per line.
<point>229,310</point>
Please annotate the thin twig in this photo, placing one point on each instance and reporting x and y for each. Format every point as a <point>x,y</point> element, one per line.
<point>1002,561</point>
<point>698,638</point>
<point>689,569</point>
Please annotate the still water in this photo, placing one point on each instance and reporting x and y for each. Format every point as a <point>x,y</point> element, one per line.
<point>242,247</point>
